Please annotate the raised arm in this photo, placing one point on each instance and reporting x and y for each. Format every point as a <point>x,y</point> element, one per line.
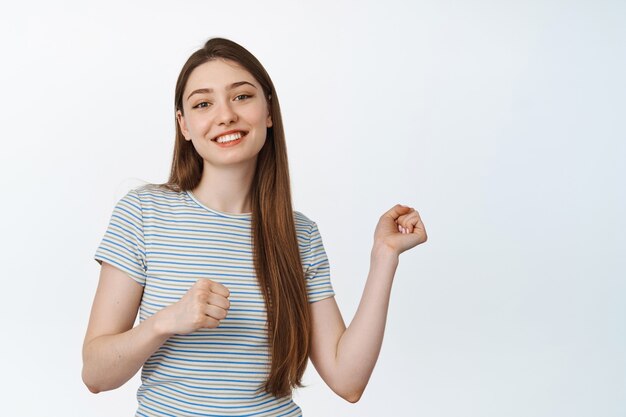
<point>114,350</point>
<point>345,357</point>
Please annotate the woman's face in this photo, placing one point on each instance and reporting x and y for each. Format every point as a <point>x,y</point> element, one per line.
<point>225,115</point>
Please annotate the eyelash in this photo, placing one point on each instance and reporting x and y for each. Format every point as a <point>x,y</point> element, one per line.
<point>200,105</point>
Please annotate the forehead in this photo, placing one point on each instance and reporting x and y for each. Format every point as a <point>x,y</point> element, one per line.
<point>218,74</point>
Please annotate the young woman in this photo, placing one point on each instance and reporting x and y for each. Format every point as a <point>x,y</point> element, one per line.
<point>232,286</point>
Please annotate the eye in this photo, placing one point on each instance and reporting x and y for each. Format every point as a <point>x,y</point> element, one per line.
<point>202,104</point>
<point>242,97</point>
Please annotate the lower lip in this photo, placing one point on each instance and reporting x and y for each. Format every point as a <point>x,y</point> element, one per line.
<point>231,143</point>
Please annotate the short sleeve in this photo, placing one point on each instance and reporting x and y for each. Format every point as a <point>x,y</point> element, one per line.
<point>123,243</point>
<point>317,272</point>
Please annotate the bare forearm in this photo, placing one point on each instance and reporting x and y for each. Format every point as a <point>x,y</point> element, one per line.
<point>345,357</point>
<point>360,344</point>
<point>111,360</point>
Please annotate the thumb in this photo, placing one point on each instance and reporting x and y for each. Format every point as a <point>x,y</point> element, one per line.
<point>397,211</point>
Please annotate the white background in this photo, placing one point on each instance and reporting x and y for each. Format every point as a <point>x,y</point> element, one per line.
<point>502,122</point>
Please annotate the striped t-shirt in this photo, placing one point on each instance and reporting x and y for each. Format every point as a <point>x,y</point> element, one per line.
<point>165,241</point>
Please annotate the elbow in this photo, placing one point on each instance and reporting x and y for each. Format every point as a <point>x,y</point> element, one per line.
<point>86,376</point>
<point>92,385</point>
<point>93,389</point>
<point>350,390</point>
<point>96,386</point>
<point>94,379</point>
<point>353,397</point>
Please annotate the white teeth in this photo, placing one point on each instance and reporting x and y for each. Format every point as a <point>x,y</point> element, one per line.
<point>229,138</point>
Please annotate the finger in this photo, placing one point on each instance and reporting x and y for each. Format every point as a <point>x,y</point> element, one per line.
<point>218,300</point>
<point>210,323</point>
<point>413,221</point>
<point>206,284</point>
<point>418,228</point>
<point>220,289</point>
<point>402,220</point>
<point>397,211</point>
<point>215,312</point>
<point>408,221</point>
<point>203,284</point>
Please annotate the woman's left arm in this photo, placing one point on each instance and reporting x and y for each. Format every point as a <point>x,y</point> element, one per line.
<point>345,357</point>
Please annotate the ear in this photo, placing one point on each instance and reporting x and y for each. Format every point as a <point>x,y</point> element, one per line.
<point>181,123</point>
<point>268,122</point>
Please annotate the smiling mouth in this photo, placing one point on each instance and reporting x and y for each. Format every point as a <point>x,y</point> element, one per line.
<point>230,137</point>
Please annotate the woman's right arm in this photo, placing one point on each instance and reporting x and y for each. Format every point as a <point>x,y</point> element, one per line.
<point>114,350</point>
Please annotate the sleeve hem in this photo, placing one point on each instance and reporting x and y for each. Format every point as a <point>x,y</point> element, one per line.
<point>131,274</point>
<point>320,297</point>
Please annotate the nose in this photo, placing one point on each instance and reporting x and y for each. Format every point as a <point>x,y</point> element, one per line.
<point>226,114</point>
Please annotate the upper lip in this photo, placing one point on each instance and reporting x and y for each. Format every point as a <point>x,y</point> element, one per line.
<point>228,132</point>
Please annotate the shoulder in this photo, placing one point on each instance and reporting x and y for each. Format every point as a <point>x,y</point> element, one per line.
<point>150,198</point>
<point>305,227</point>
<point>302,221</point>
<point>151,194</point>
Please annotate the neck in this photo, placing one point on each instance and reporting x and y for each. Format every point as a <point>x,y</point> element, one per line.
<point>226,189</point>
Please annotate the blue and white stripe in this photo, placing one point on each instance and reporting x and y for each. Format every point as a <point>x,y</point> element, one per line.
<point>165,241</point>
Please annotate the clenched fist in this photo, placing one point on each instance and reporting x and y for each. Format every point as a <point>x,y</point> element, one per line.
<point>203,306</point>
<point>400,229</point>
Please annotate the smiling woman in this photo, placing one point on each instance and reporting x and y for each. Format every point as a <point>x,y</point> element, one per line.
<point>231,284</point>
<point>224,107</point>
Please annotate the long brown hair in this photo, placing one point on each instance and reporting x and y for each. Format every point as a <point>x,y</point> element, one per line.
<point>276,254</point>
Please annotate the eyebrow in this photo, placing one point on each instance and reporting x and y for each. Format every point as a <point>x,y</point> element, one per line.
<point>210,90</point>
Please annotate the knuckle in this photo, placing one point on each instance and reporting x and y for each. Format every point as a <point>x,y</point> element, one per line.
<point>220,289</point>
<point>203,283</point>
<point>215,313</point>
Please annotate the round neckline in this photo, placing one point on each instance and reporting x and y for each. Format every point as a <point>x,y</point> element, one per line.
<point>221,213</point>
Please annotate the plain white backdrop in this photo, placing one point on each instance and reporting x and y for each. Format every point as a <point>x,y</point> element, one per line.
<point>502,122</point>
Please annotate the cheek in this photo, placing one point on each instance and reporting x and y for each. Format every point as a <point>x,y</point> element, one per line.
<point>256,115</point>
<point>197,124</point>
